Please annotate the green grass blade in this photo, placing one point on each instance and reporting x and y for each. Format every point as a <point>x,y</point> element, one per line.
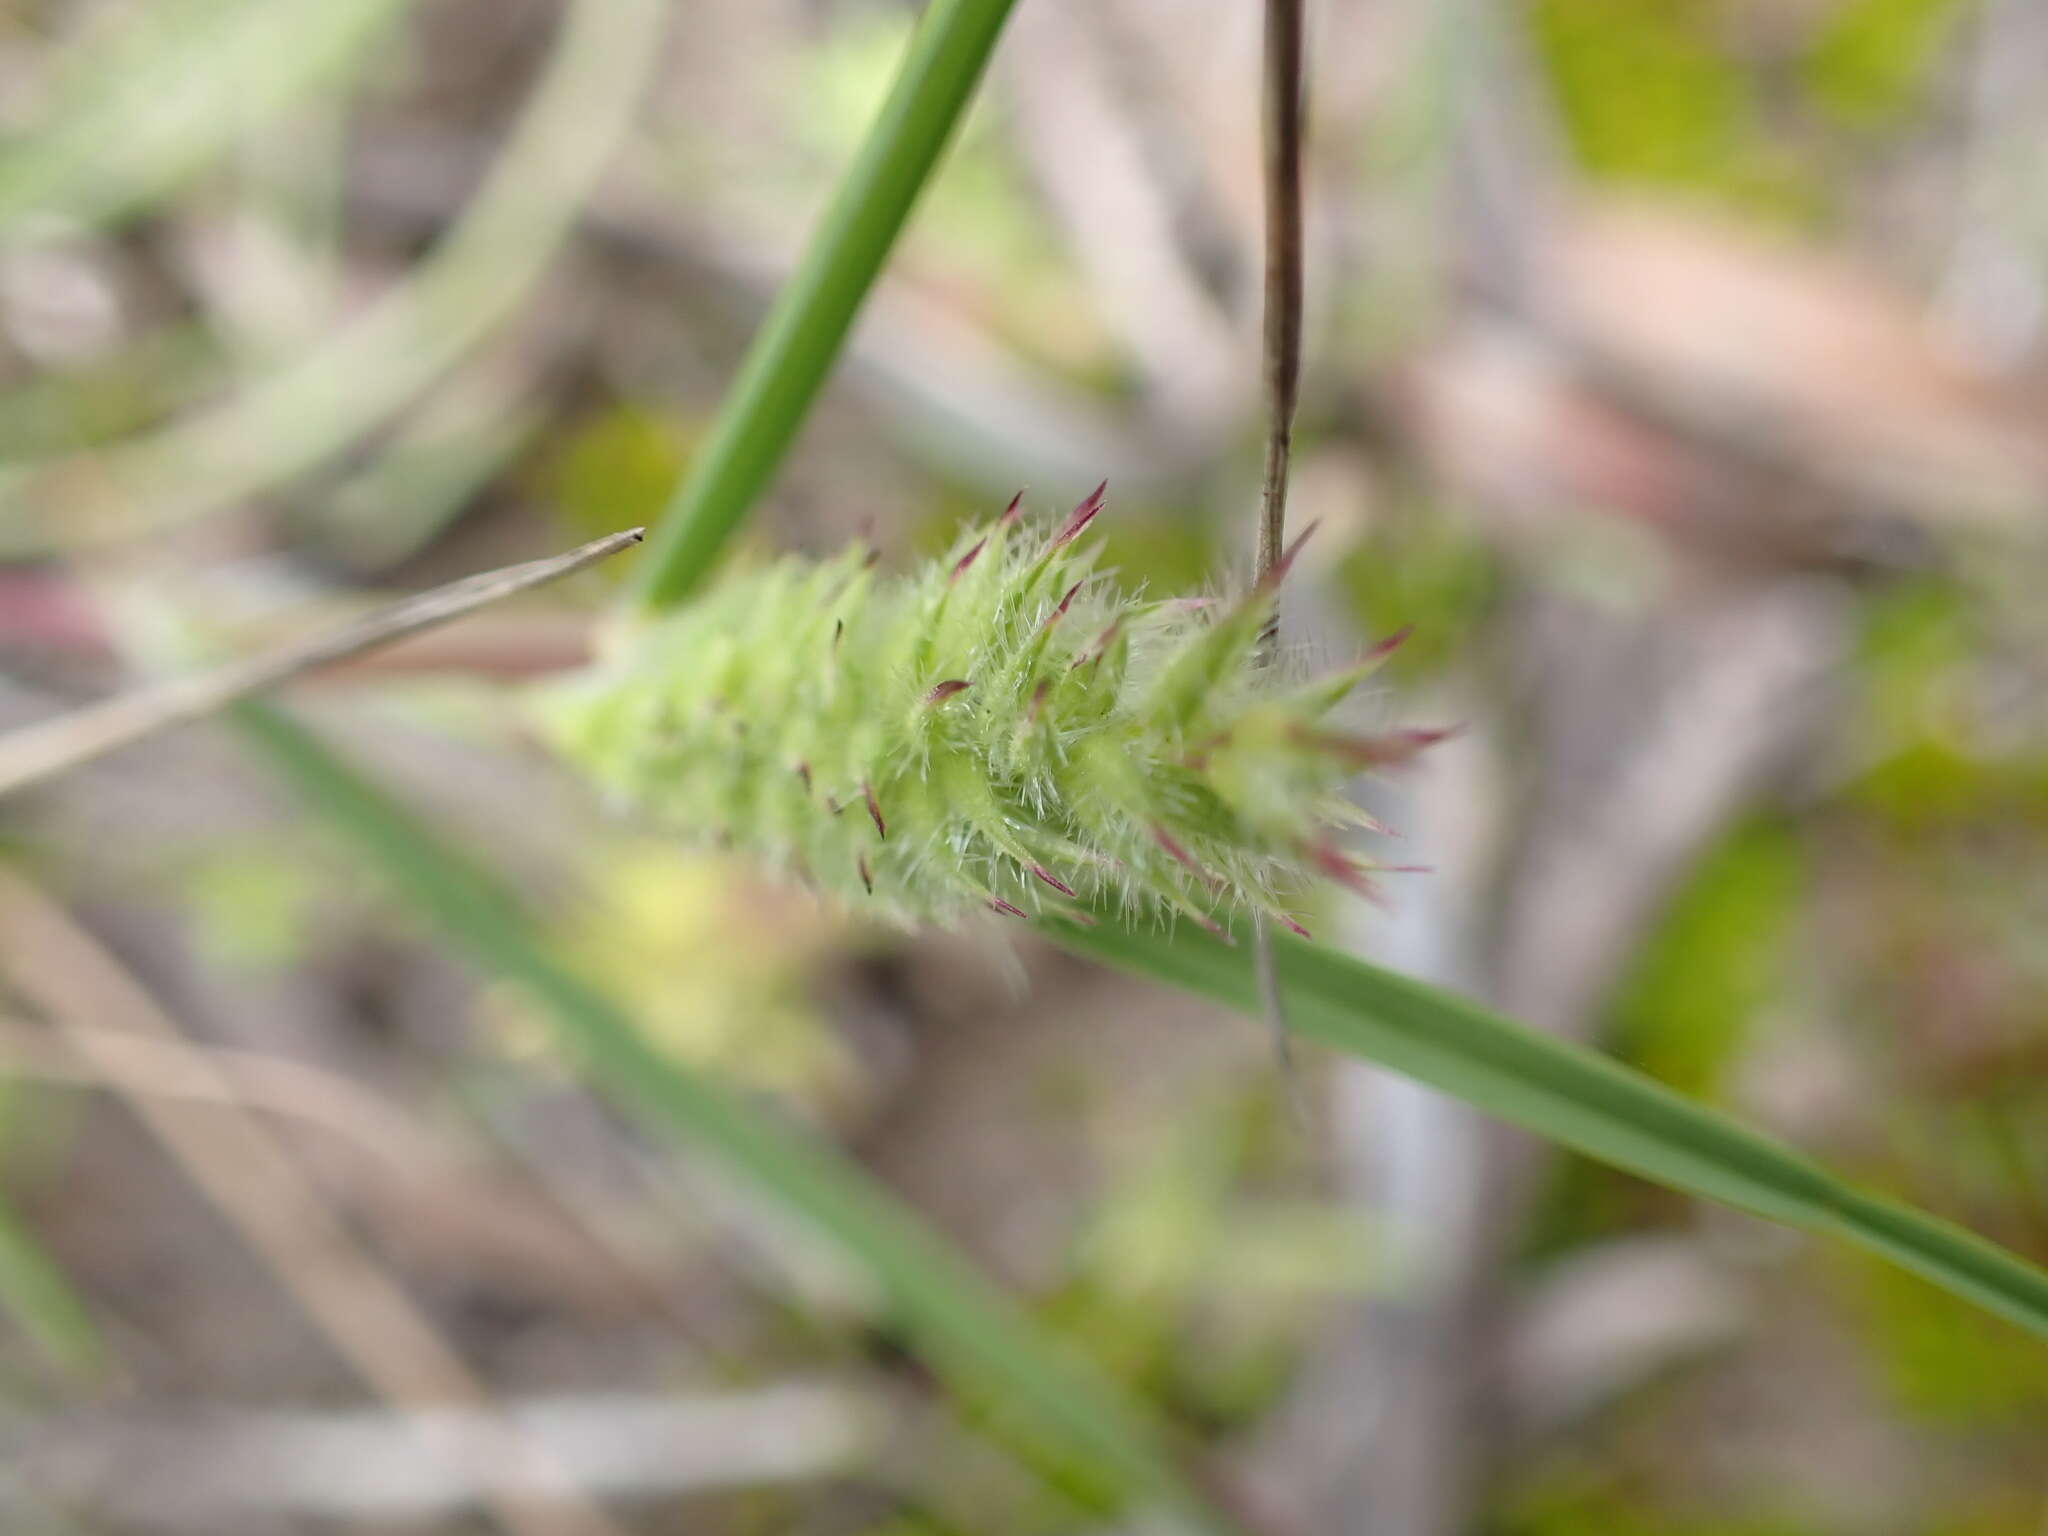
<point>169,90</point>
<point>33,1289</point>
<point>1953,1258</point>
<point>1032,1384</point>
<point>1575,1097</point>
<point>804,330</point>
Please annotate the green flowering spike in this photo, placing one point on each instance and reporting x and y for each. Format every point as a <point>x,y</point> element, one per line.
<point>1001,729</point>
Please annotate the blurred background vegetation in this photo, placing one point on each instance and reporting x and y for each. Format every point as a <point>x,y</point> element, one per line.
<point>1675,367</point>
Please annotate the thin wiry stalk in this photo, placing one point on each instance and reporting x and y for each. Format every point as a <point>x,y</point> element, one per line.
<point>1283,114</point>
<point>1283,101</point>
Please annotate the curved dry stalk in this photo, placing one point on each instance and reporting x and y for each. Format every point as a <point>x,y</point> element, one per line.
<point>241,1169</point>
<point>209,1074</point>
<point>52,746</point>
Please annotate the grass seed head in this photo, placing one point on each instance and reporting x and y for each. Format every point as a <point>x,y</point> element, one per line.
<point>1023,737</point>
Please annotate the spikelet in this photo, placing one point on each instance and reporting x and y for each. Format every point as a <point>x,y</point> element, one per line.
<point>1001,729</point>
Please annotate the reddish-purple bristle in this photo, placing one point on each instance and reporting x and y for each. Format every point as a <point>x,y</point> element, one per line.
<point>1391,644</point>
<point>1181,856</point>
<point>997,904</point>
<point>1060,612</point>
<point>1335,863</point>
<point>1081,516</point>
<point>960,565</point>
<point>1011,513</point>
<point>1384,751</point>
<point>1037,704</point>
<point>867,875</point>
<point>1053,880</point>
<point>1285,563</point>
<point>1291,925</point>
<point>874,811</point>
<point>1210,926</point>
<point>941,692</point>
<point>1100,648</point>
